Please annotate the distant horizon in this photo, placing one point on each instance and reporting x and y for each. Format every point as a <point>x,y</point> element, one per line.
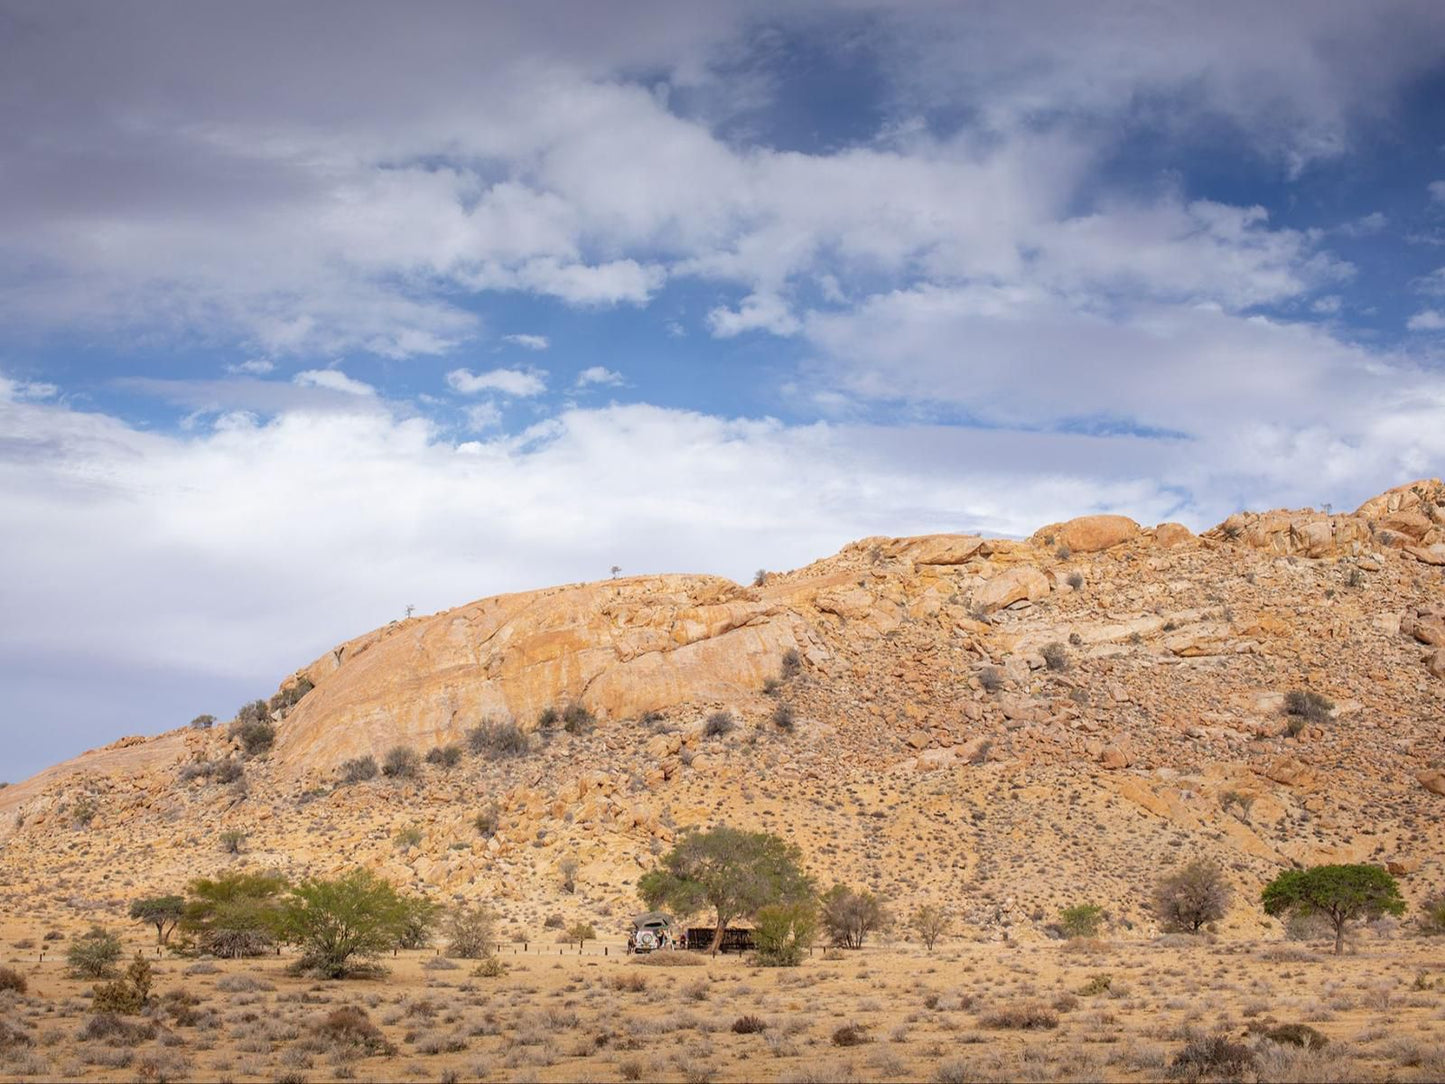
<point>310,313</point>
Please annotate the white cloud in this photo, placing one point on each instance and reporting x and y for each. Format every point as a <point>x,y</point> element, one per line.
<point>528,342</point>
<point>758,312</point>
<point>1427,320</point>
<point>1436,190</point>
<point>20,390</point>
<point>1432,284</point>
<point>598,374</point>
<point>332,380</point>
<point>521,383</point>
<point>482,416</point>
<point>252,367</point>
<point>1364,226</point>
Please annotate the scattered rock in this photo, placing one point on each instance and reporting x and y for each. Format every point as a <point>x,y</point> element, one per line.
<point>1023,582</point>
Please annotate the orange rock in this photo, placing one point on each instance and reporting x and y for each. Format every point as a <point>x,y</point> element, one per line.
<point>1013,585</point>
<point>1088,534</point>
<point>1167,535</point>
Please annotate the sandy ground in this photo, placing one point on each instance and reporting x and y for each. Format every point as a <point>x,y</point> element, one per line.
<point>1119,1011</point>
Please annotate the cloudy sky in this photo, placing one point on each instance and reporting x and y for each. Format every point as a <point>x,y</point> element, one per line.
<point>309,313</point>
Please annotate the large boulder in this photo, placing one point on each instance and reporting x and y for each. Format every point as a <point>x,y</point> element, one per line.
<point>1168,535</point>
<point>1010,586</point>
<point>1088,534</point>
<point>1432,780</point>
<point>937,549</point>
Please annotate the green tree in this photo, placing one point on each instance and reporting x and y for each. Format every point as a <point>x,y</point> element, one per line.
<point>734,873</point>
<point>1339,893</point>
<point>162,912</point>
<point>784,931</point>
<point>355,915</point>
<point>850,916</point>
<point>1191,896</point>
<point>233,915</point>
<point>471,932</point>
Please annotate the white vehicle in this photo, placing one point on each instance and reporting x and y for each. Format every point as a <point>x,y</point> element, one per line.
<point>651,932</point>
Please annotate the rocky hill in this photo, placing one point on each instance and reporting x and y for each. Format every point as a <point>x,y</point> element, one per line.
<point>1001,726</point>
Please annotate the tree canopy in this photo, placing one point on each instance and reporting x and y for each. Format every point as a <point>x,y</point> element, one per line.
<point>1340,893</point>
<point>162,912</point>
<point>234,914</point>
<point>355,915</point>
<point>734,873</point>
<point>1191,896</point>
<point>850,915</point>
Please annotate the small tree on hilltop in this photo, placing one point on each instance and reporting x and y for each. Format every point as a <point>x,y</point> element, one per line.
<point>1191,896</point>
<point>1339,893</point>
<point>163,912</point>
<point>735,873</point>
<point>849,916</point>
<point>355,915</point>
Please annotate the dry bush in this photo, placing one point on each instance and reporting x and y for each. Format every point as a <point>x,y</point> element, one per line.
<point>749,1025</point>
<point>351,1026</point>
<point>13,1036</point>
<point>10,979</point>
<point>112,1030</point>
<point>850,1035</point>
<point>1297,1035</point>
<point>496,740</point>
<point>1021,1016</point>
<point>1209,1057</point>
<point>632,982</point>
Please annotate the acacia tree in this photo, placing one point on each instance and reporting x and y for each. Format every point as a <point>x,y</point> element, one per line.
<point>357,914</point>
<point>734,873</point>
<point>1340,893</point>
<point>849,916</point>
<point>162,912</point>
<point>233,915</point>
<point>1191,896</point>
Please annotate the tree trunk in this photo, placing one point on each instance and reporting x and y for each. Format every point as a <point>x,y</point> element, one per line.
<point>1339,936</point>
<point>717,936</point>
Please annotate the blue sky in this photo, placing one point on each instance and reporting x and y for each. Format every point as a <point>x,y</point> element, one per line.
<point>308,313</point>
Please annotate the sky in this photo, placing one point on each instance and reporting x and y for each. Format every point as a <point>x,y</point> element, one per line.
<point>312,313</point>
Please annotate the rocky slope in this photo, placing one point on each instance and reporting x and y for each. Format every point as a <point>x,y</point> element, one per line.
<point>1002,726</point>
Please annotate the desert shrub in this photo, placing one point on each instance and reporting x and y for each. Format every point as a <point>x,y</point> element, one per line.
<point>495,740</point>
<point>288,697</point>
<point>672,959</point>
<point>576,719</point>
<point>400,762</point>
<point>1432,914</point>
<point>929,922</point>
<point>13,1036</point>
<point>850,915</point>
<point>1076,580</point>
<point>10,979</point>
<point>991,679</point>
<point>554,921</point>
<point>227,770</point>
<point>850,1035</point>
<point>748,1024</point>
<point>1191,896</point>
<point>128,994</point>
<point>410,836</point>
<point>358,769</point>
<point>203,722</point>
<point>231,840</point>
<point>83,810</point>
<point>337,922</point>
<point>568,869</point>
<point>1081,920</point>
<point>719,724</point>
<point>760,577</point>
<point>1212,1056</point>
<point>351,1026</point>
<point>490,967</point>
<point>1308,705</point>
<point>1021,1016</point>
<point>94,953</point>
<point>1297,1035</point>
<point>783,718</point>
<point>488,821</point>
<point>579,932</point>
<point>548,718</point>
<point>792,663</point>
<point>112,1030</point>
<point>445,756</point>
<point>1097,984</point>
<point>471,931</point>
<point>1056,656</point>
<point>255,735</point>
<point>783,932</point>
